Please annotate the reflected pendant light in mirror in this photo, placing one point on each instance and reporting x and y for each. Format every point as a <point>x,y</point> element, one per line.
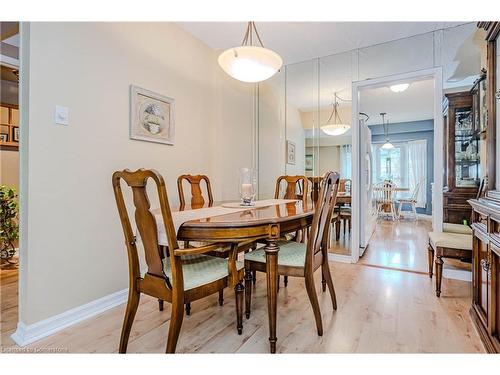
<point>387,145</point>
<point>250,63</point>
<point>334,125</point>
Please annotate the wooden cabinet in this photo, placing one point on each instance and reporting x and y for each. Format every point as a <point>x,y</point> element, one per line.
<point>462,160</point>
<point>9,127</point>
<point>485,309</point>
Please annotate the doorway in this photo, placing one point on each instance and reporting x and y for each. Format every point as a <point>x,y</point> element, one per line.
<point>9,177</point>
<point>394,159</point>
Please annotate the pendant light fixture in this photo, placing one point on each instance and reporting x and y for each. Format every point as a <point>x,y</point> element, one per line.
<point>400,87</point>
<point>334,125</point>
<point>248,62</point>
<point>387,145</point>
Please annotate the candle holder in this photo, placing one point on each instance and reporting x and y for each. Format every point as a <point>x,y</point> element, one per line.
<point>248,186</point>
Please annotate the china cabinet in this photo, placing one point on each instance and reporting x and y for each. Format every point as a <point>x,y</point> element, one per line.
<point>462,156</point>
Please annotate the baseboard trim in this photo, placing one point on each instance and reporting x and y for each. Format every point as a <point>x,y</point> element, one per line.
<point>339,258</point>
<point>26,334</point>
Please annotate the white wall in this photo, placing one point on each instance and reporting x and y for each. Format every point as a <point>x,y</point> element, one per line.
<point>73,251</point>
<point>295,134</point>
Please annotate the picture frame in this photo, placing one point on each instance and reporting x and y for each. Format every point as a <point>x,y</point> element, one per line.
<point>152,116</point>
<point>309,163</point>
<point>15,134</point>
<point>4,137</point>
<point>290,152</point>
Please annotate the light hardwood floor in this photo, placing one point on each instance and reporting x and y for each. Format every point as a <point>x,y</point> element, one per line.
<point>379,310</point>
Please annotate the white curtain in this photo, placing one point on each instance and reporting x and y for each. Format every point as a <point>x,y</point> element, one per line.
<point>345,161</point>
<point>417,158</point>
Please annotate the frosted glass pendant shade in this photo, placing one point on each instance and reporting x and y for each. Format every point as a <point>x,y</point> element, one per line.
<point>387,145</point>
<point>250,63</point>
<point>335,129</point>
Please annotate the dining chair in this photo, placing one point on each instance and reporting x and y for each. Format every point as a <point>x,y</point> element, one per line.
<point>187,275</point>
<point>296,187</point>
<point>411,201</point>
<point>315,188</point>
<point>197,199</point>
<point>303,259</point>
<point>345,185</point>
<point>385,193</point>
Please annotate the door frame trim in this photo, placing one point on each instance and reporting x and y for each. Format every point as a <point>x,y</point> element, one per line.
<point>437,199</point>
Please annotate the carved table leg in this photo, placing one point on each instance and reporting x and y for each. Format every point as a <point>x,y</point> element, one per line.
<point>272,289</point>
<point>238,290</point>
<point>248,292</point>
<point>188,308</point>
<point>439,274</point>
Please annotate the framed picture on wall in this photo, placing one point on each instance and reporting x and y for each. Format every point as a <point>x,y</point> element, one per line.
<point>309,162</point>
<point>290,152</point>
<point>152,116</point>
<point>15,134</point>
<point>4,137</point>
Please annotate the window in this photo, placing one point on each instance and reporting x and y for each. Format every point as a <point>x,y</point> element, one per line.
<point>391,164</point>
<point>405,165</point>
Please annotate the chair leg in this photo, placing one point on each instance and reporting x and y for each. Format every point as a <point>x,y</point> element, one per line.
<point>325,270</point>
<point>160,304</point>
<point>254,277</point>
<point>175,321</point>
<point>414,208</point>
<point>285,281</point>
<point>431,260</point>
<point>439,274</point>
<point>238,290</point>
<point>221,297</point>
<point>350,225</point>
<point>188,308</point>
<point>323,283</point>
<point>248,292</point>
<point>313,297</point>
<point>132,304</point>
<point>337,229</point>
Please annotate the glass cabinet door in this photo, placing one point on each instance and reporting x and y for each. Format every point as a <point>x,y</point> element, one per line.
<point>467,173</point>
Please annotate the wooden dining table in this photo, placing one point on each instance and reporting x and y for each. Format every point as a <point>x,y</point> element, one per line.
<point>269,223</point>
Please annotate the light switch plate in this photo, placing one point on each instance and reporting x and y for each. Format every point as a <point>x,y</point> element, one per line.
<point>61,115</point>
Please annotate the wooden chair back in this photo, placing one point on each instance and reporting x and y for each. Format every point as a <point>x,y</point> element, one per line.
<point>194,181</point>
<point>315,187</point>
<point>318,237</point>
<point>385,192</point>
<point>146,224</point>
<point>296,187</point>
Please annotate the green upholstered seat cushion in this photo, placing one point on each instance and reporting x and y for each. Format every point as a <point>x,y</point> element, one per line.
<point>291,254</point>
<point>450,240</point>
<point>201,269</point>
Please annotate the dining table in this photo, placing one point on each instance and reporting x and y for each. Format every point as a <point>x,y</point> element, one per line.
<point>269,222</point>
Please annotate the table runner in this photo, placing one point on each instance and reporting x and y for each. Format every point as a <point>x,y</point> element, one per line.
<point>180,217</point>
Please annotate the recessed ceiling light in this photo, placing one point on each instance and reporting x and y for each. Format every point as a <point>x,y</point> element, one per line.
<point>399,87</point>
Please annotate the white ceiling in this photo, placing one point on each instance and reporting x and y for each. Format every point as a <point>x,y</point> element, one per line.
<point>300,41</point>
<point>414,104</point>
